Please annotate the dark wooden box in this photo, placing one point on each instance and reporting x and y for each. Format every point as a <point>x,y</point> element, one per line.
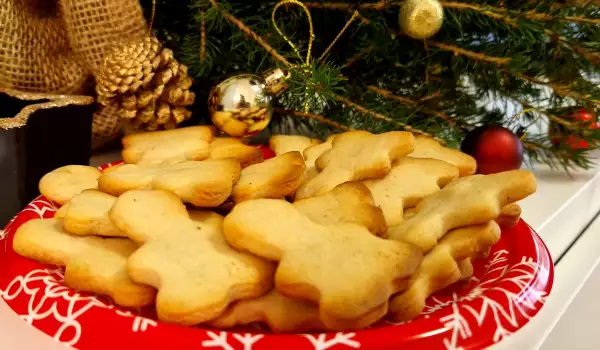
<point>57,133</point>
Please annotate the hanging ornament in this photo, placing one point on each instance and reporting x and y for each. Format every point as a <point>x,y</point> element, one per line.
<point>147,84</point>
<point>560,135</point>
<point>421,19</point>
<point>241,105</point>
<point>495,148</point>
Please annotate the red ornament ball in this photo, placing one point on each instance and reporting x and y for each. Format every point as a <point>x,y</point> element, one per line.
<point>495,148</point>
<point>560,136</point>
<point>583,115</point>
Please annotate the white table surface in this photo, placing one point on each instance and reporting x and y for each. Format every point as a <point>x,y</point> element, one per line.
<point>559,211</point>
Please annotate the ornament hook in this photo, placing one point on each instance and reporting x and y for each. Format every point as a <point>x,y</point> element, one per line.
<point>285,37</point>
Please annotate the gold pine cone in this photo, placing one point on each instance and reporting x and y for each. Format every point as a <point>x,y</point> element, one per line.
<point>149,85</point>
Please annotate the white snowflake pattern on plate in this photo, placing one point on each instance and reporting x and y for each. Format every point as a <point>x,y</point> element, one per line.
<point>221,340</point>
<point>45,298</point>
<point>503,311</point>
<point>320,341</point>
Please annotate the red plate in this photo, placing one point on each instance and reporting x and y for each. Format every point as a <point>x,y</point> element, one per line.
<point>507,290</point>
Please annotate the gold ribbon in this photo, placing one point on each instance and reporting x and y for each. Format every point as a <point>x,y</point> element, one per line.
<point>306,64</point>
<point>152,17</point>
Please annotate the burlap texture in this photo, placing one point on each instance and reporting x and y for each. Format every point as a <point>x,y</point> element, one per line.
<point>95,26</point>
<point>106,125</point>
<point>34,49</point>
<point>54,46</point>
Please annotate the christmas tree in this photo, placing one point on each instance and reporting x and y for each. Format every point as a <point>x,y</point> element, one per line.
<point>526,65</point>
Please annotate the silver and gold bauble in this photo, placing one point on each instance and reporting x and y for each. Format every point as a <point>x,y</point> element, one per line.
<point>241,105</point>
<point>421,19</point>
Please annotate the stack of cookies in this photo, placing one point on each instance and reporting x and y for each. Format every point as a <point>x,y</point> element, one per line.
<point>326,236</point>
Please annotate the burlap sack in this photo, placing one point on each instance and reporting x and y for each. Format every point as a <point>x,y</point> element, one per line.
<point>94,27</point>
<point>34,49</point>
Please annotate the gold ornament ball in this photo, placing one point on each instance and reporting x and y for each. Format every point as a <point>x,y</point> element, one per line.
<point>241,105</point>
<point>421,19</point>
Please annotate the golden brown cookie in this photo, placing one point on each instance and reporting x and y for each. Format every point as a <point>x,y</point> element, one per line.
<point>467,201</point>
<point>168,146</point>
<point>349,272</point>
<point>509,216</point>
<point>274,178</point>
<point>348,202</point>
<point>355,156</point>
<point>466,269</point>
<point>410,180</point>
<point>60,185</point>
<point>312,153</point>
<point>281,314</point>
<point>281,144</point>
<point>204,184</point>
<point>441,267</point>
<point>93,264</point>
<point>426,147</point>
<point>87,214</point>
<point>186,258</point>
<point>229,147</point>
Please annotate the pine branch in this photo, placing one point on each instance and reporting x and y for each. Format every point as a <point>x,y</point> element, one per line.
<point>376,6</point>
<point>380,116</point>
<point>558,89</point>
<point>471,54</point>
<point>251,33</point>
<point>319,118</point>
<point>549,116</point>
<point>406,100</point>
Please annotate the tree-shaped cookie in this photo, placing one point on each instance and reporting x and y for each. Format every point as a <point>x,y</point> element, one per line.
<point>470,200</point>
<point>442,266</point>
<point>356,155</point>
<point>349,272</point>
<point>204,184</point>
<point>186,258</point>
<point>410,180</point>
<point>93,264</point>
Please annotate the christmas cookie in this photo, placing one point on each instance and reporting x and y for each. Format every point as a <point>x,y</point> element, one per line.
<point>349,272</point>
<point>471,200</point>
<point>229,147</point>
<point>355,156</point>
<point>186,258</point>
<point>281,314</point>
<point>348,202</point>
<point>410,180</point>
<point>441,267</point>
<point>310,157</point>
<point>426,147</point>
<point>274,178</point>
<point>204,184</point>
<point>281,144</point>
<point>61,184</point>
<point>93,264</point>
<point>87,214</point>
<point>509,216</point>
<point>168,146</point>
